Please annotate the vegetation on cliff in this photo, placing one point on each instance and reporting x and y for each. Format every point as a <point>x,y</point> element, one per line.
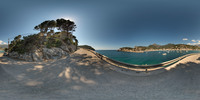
<point>47,37</point>
<point>161,47</point>
<point>86,47</point>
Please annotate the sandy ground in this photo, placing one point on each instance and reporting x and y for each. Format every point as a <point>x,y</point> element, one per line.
<point>85,77</point>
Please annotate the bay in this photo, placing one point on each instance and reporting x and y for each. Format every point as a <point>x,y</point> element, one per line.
<point>146,58</point>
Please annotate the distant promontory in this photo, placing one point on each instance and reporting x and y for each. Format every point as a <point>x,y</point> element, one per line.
<point>156,47</point>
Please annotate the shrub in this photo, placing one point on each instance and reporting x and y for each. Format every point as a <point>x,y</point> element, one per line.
<point>86,47</point>
<point>51,42</point>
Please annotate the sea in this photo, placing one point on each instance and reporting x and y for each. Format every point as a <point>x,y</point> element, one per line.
<point>146,58</point>
<point>1,51</point>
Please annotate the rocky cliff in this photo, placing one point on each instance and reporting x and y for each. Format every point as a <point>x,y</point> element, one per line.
<point>45,53</point>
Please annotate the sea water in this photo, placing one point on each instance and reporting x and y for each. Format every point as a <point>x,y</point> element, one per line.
<point>1,51</point>
<point>146,58</point>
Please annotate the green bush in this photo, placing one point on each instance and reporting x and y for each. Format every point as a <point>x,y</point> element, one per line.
<point>46,37</point>
<point>86,47</point>
<point>51,42</point>
<point>68,41</point>
<point>6,49</point>
<point>27,44</point>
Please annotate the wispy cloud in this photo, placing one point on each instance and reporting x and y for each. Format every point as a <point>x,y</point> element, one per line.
<point>185,39</point>
<point>193,43</point>
<point>193,40</point>
<point>1,42</point>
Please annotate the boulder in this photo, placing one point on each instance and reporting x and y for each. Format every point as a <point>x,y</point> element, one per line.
<point>53,53</point>
<point>65,48</point>
<point>72,48</point>
<point>28,57</point>
<point>14,54</point>
<point>40,55</point>
<point>37,55</point>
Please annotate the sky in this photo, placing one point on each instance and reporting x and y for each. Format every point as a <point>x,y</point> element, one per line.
<point>108,24</point>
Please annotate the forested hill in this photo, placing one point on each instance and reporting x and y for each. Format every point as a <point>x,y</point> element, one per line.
<point>155,47</point>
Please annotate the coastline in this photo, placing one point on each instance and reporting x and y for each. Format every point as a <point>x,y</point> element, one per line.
<point>142,68</point>
<point>157,50</point>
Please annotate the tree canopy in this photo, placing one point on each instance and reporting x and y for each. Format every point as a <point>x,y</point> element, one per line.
<point>46,37</point>
<point>61,24</point>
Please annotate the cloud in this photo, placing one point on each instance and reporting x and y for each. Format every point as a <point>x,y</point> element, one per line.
<point>1,42</point>
<point>193,43</point>
<point>185,39</point>
<point>193,40</point>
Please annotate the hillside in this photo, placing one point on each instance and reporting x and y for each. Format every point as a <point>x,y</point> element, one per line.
<point>3,46</point>
<point>156,47</point>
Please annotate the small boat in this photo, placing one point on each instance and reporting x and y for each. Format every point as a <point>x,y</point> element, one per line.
<point>164,54</point>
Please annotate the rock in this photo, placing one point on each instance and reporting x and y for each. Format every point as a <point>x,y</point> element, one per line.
<point>53,53</point>
<point>40,55</point>
<point>65,48</point>
<point>37,55</point>
<point>72,48</point>
<point>21,56</point>
<point>27,57</point>
<point>14,54</point>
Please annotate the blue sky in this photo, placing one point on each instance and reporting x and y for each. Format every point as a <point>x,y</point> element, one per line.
<point>108,24</point>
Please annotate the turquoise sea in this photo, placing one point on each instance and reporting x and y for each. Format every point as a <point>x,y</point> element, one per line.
<point>1,51</point>
<point>149,58</point>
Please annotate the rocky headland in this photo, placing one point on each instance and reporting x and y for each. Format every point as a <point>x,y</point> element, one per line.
<point>46,44</point>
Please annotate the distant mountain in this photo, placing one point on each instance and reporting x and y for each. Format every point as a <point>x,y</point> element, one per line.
<point>198,45</point>
<point>155,47</point>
